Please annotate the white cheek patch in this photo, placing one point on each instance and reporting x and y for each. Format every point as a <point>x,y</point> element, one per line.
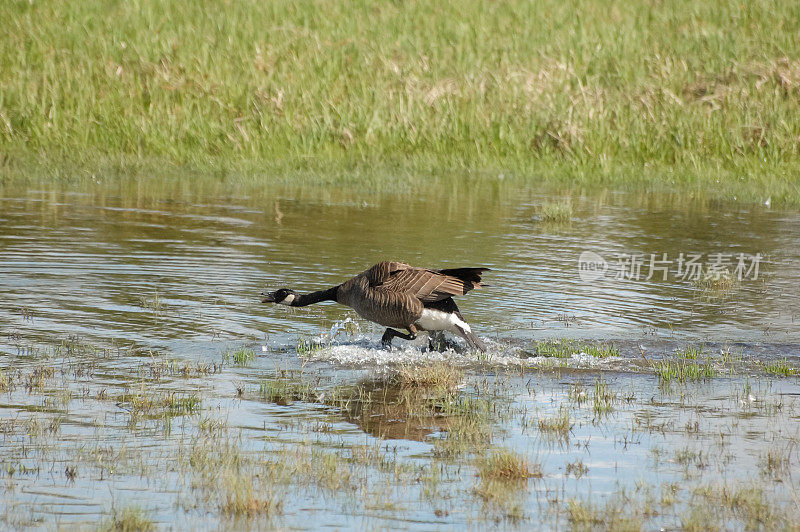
<point>287,300</point>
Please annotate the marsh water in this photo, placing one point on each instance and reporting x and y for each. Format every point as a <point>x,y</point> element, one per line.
<point>113,293</point>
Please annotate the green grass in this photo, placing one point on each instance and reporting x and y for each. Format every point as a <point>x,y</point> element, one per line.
<point>307,347</point>
<point>503,474</point>
<point>663,94</point>
<point>241,357</point>
<point>779,367</point>
<point>684,366</point>
<point>565,348</point>
<point>556,212</point>
<point>682,371</point>
<point>600,350</point>
<point>555,348</point>
<point>691,352</point>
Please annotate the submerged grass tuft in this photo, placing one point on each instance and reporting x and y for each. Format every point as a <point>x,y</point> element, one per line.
<point>306,347</point>
<point>242,499</point>
<point>602,398</point>
<point>600,350</point>
<point>718,284</point>
<point>129,519</point>
<point>684,367</point>
<point>556,212</point>
<point>587,516</point>
<point>439,375</point>
<point>503,464</point>
<point>681,371</point>
<point>691,352</point>
<point>243,357</point>
<point>562,348</point>
<point>558,426</point>
<point>565,348</point>
<point>780,368</point>
<point>154,303</point>
<point>147,403</point>
<point>285,391</point>
<point>748,503</point>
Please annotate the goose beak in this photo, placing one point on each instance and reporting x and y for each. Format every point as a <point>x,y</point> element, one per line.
<point>268,297</point>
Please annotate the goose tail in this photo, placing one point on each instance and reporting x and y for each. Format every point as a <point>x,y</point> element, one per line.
<point>472,340</point>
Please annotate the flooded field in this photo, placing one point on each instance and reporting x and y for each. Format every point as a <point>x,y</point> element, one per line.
<point>143,384</point>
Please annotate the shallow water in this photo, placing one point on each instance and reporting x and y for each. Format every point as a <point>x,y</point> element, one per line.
<point>115,294</point>
<point>93,262</point>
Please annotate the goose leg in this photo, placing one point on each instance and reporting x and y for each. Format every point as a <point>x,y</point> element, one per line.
<point>390,333</point>
<point>386,340</point>
<point>437,341</point>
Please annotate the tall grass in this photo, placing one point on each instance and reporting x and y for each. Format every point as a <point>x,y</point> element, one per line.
<point>703,93</point>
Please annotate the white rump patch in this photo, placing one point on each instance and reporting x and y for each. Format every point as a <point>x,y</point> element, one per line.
<point>287,300</point>
<point>437,320</point>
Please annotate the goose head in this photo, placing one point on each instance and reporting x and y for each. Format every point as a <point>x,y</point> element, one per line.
<point>283,296</point>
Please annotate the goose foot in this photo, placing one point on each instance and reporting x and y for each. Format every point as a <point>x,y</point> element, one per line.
<point>438,342</point>
<point>390,333</point>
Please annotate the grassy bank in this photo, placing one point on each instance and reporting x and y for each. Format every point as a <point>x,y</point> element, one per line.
<point>672,92</point>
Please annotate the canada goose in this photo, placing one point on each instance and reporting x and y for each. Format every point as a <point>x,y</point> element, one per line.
<point>399,296</point>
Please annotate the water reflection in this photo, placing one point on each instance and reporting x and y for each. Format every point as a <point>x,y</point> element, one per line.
<point>388,409</point>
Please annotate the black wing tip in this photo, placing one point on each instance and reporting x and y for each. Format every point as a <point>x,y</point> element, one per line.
<point>476,269</point>
<point>467,275</point>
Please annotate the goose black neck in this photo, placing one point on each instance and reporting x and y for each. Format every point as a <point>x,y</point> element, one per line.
<point>315,297</point>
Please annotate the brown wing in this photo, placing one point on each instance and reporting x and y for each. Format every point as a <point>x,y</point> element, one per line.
<point>383,272</point>
<point>432,285</point>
